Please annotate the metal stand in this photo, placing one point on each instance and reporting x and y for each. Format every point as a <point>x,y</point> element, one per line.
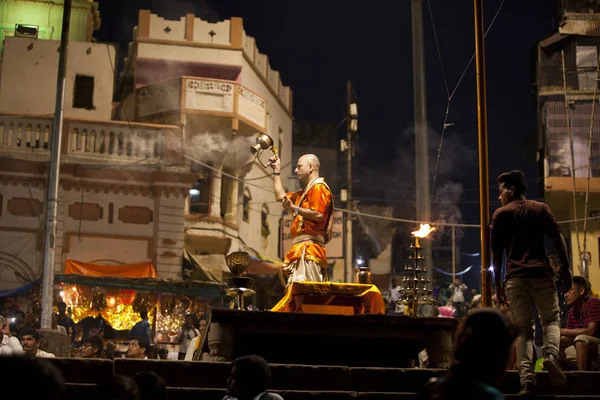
<point>414,287</point>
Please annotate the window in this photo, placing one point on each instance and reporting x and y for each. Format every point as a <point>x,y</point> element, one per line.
<point>199,196</point>
<point>83,92</point>
<point>280,140</point>
<point>246,206</point>
<point>264,223</point>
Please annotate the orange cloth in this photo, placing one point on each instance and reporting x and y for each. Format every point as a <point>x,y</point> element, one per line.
<point>318,199</point>
<point>333,298</point>
<point>138,270</point>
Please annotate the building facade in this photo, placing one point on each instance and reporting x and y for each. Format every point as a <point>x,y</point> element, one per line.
<point>165,168</point>
<point>569,131</point>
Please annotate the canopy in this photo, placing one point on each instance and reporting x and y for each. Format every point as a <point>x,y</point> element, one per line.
<point>138,270</point>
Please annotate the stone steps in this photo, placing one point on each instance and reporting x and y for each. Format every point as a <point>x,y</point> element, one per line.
<point>83,391</point>
<point>302,380</point>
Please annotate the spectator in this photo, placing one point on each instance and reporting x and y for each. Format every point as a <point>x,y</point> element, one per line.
<point>62,319</point>
<point>138,348</point>
<point>519,229</point>
<point>141,330</point>
<point>485,338</point>
<point>191,350</point>
<point>19,324</point>
<point>30,340</point>
<point>9,345</point>
<point>250,377</point>
<point>92,348</point>
<point>457,288</point>
<point>581,335</point>
<point>118,387</point>
<point>150,385</point>
<point>187,332</point>
<point>32,378</point>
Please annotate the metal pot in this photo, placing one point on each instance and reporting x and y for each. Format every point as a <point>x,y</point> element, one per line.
<point>363,275</point>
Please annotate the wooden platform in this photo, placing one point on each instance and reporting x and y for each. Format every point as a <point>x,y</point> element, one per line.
<point>364,340</point>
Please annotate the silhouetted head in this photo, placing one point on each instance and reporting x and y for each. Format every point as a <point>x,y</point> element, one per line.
<point>512,186</point>
<point>250,376</point>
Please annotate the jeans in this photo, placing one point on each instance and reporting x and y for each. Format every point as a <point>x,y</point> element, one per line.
<point>523,295</point>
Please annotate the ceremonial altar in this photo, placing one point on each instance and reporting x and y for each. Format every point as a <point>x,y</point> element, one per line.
<point>331,298</point>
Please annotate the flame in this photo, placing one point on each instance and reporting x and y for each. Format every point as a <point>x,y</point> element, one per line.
<point>424,231</point>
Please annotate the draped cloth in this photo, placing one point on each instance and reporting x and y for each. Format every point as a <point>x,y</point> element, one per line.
<point>306,260</point>
<point>137,270</point>
<point>333,298</point>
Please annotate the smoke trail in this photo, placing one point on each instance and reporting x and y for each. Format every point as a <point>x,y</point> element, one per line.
<point>216,148</point>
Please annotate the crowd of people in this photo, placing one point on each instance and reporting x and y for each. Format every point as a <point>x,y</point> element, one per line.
<point>249,379</point>
<point>91,337</point>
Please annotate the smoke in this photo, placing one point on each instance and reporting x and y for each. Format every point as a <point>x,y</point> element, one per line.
<point>233,152</point>
<point>455,158</point>
<point>563,162</point>
<point>445,208</point>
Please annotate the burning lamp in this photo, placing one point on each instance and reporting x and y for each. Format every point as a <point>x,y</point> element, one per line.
<point>263,142</point>
<point>238,286</point>
<point>414,285</point>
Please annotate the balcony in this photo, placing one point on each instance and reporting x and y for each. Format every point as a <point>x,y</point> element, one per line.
<point>579,81</point>
<point>219,100</point>
<point>565,159</point>
<point>87,141</point>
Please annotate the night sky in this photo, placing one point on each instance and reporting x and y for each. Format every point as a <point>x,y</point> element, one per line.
<point>318,45</point>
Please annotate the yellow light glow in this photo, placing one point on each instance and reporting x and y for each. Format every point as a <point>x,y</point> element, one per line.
<point>62,294</point>
<point>423,231</point>
<point>74,288</point>
<point>111,302</point>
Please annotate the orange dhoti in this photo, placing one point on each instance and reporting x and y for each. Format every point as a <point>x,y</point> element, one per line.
<point>307,259</point>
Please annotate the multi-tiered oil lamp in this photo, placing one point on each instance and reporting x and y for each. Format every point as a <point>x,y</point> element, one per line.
<point>414,288</point>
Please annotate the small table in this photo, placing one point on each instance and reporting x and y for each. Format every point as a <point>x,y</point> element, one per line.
<point>331,298</point>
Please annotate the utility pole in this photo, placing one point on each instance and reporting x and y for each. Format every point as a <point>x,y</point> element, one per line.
<point>351,128</point>
<point>482,140</point>
<point>54,174</point>
<point>423,200</point>
<point>453,253</point>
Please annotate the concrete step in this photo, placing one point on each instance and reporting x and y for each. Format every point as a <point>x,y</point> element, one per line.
<point>86,391</point>
<point>308,378</point>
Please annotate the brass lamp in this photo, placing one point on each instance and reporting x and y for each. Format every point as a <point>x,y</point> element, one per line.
<point>238,286</point>
<point>263,142</point>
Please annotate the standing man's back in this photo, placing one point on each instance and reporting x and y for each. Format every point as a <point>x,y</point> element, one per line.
<point>521,226</point>
<point>141,330</point>
<point>518,230</point>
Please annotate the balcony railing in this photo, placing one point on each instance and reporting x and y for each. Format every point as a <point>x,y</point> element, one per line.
<point>559,149</point>
<point>28,137</point>
<point>165,102</point>
<point>577,79</point>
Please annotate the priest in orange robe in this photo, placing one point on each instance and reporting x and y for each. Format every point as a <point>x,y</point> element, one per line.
<point>312,212</point>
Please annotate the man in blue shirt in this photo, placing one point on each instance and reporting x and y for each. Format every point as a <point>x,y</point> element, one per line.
<point>141,330</point>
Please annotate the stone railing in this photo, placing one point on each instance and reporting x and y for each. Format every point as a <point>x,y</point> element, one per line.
<point>28,137</point>
<point>163,102</point>
<point>25,135</point>
<point>118,141</point>
<point>226,97</point>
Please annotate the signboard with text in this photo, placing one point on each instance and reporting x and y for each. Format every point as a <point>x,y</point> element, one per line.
<point>335,248</point>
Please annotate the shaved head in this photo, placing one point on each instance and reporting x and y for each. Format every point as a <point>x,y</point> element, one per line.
<point>311,159</point>
<point>307,168</point>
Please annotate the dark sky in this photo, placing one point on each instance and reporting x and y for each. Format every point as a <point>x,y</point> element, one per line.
<point>318,45</point>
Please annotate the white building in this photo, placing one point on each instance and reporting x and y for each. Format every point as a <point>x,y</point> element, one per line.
<point>189,88</point>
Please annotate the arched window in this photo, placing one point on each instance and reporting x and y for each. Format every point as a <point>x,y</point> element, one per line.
<point>246,205</point>
<point>264,226</point>
<point>199,197</point>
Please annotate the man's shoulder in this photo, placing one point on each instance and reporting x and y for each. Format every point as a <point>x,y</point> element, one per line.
<point>592,302</point>
<point>514,205</point>
<point>320,185</point>
<point>270,396</point>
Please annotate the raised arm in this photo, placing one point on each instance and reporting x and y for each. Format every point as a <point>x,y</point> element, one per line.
<point>275,163</point>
